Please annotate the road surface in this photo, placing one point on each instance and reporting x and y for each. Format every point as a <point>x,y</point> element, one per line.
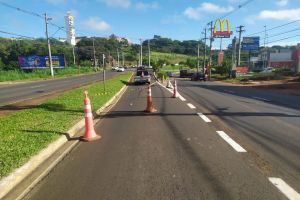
<point>12,93</point>
<point>174,153</point>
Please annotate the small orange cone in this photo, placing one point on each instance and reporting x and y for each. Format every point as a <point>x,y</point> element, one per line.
<point>150,108</point>
<point>175,92</point>
<point>90,133</point>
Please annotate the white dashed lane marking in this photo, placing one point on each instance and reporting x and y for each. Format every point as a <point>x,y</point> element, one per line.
<point>231,142</point>
<point>37,86</point>
<point>289,192</point>
<point>261,99</point>
<point>206,119</point>
<point>191,106</point>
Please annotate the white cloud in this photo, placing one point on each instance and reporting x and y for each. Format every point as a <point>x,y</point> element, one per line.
<point>117,3</point>
<point>282,2</point>
<point>56,2</point>
<point>195,13</point>
<point>289,14</point>
<point>96,23</point>
<point>146,6</point>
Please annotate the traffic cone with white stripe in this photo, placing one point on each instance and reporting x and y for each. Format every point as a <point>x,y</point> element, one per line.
<point>90,133</point>
<point>175,92</point>
<point>169,84</point>
<point>150,107</point>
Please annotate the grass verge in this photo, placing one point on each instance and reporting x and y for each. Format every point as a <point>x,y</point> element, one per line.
<point>25,133</point>
<point>14,75</point>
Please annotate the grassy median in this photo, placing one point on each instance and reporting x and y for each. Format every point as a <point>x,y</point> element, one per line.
<point>25,133</point>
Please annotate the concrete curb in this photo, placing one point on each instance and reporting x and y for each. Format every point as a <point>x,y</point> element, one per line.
<point>13,179</point>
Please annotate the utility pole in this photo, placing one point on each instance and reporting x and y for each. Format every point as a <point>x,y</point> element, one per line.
<point>74,59</point>
<point>149,63</point>
<point>204,60</point>
<point>103,56</point>
<point>233,68</point>
<point>141,60</point>
<point>49,46</point>
<point>240,30</point>
<point>94,52</point>
<point>210,49</point>
<point>264,52</point>
<point>123,60</point>
<point>198,58</point>
<point>118,57</point>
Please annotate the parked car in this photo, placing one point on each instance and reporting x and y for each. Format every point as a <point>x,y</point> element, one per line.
<point>115,68</point>
<point>200,76</point>
<point>141,77</point>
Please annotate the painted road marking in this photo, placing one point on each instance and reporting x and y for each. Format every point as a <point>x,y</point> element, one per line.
<point>262,99</point>
<point>191,106</point>
<point>289,192</point>
<point>36,86</point>
<point>206,119</point>
<point>231,142</point>
<point>229,91</point>
<point>66,81</point>
<point>182,98</point>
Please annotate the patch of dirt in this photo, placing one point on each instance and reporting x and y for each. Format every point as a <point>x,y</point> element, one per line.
<point>287,85</point>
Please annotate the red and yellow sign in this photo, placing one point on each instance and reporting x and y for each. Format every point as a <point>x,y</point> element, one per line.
<point>220,31</point>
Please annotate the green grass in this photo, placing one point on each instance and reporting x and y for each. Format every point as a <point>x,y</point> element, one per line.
<point>172,58</point>
<point>14,75</point>
<point>26,132</point>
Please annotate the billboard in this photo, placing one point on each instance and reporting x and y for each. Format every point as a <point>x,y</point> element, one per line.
<point>220,31</point>
<point>70,30</point>
<point>250,43</point>
<point>41,62</point>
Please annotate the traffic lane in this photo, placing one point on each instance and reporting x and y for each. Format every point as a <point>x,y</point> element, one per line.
<point>170,154</point>
<point>18,92</point>
<point>271,134</point>
<point>272,97</point>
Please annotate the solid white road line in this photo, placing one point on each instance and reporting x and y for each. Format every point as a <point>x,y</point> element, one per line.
<point>231,142</point>
<point>191,106</point>
<point>229,91</point>
<point>289,192</point>
<point>262,99</point>
<point>206,119</point>
<point>36,86</point>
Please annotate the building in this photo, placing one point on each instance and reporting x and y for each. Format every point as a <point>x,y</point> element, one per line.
<point>281,59</point>
<point>70,29</point>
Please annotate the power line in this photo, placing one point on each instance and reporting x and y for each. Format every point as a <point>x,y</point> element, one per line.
<point>21,10</point>
<point>282,33</point>
<point>236,9</point>
<point>283,39</point>
<point>15,34</point>
<point>275,27</point>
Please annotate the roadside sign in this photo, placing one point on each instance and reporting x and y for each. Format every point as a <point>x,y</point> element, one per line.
<point>40,62</point>
<point>250,43</point>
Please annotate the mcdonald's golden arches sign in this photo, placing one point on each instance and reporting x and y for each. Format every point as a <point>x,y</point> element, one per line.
<point>219,29</point>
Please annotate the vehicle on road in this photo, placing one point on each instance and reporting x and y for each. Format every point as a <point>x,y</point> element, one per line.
<point>198,76</point>
<point>120,69</point>
<point>142,77</point>
<point>185,73</point>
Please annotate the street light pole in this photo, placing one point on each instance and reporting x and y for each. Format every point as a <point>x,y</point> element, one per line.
<point>141,60</point>
<point>198,57</point>
<point>149,64</point>
<point>49,46</point>
<point>204,60</point>
<point>118,57</point>
<point>94,52</point>
<point>103,55</point>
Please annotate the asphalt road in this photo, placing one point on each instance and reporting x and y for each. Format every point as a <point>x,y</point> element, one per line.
<point>170,154</point>
<point>266,122</point>
<point>12,93</point>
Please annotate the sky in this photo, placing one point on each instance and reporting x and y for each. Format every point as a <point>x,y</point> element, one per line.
<point>135,19</point>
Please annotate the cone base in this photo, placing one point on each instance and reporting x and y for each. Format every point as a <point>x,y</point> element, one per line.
<point>96,137</point>
<point>150,110</point>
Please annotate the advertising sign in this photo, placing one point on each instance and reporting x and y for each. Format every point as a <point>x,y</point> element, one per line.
<point>250,43</point>
<point>41,62</point>
<point>219,29</point>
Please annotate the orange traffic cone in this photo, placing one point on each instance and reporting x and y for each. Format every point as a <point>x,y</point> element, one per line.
<point>175,92</point>
<point>169,85</point>
<point>150,108</point>
<point>90,133</point>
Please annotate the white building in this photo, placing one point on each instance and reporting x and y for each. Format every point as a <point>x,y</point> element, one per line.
<point>70,29</point>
